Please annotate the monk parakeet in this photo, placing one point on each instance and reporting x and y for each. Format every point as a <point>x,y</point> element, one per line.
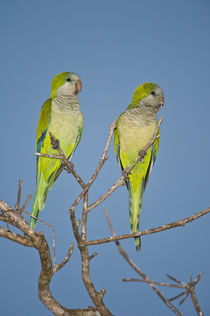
<point>134,129</point>
<point>61,116</point>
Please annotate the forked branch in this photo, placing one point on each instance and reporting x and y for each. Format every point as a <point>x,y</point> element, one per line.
<point>189,288</point>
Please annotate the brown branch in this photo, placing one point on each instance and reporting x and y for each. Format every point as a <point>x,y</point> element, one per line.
<point>25,203</point>
<point>48,156</point>
<point>154,282</point>
<point>189,290</point>
<point>17,206</point>
<point>57,267</point>
<point>97,297</point>
<point>100,165</point>
<point>44,281</point>
<point>38,241</point>
<point>15,237</point>
<point>143,275</point>
<point>195,303</point>
<point>120,181</point>
<point>180,222</point>
<point>84,218</point>
<point>68,164</point>
<point>38,219</point>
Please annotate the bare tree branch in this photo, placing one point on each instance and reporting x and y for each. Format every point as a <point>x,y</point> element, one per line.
<point>15,237</point>
<point>17,206</point>
<point>57,267</point>
<point>181,222</point>
<point>97,297</point>
<point>100,165</point>
<point>120,181</point>
<point>143,275</point>
<point>38,241</point>
<point>25,204</point>
<point>189,290</point>
<point>68,164</point>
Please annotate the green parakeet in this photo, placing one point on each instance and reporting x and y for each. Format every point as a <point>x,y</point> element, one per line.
<point>60,115</point>
<point>134,129</point>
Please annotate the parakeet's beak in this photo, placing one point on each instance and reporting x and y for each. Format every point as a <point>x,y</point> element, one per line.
<point>161,102</point>
<point>78,87</point>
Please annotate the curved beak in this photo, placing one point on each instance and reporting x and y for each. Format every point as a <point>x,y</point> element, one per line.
<point>161,102</point>
<point>78,87</point>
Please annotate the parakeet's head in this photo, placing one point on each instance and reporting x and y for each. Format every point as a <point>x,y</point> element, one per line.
<point>148,94</point>
<point>66,83</point>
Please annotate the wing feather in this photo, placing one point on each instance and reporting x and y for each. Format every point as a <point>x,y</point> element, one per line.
<point>154,151</point>
<point>70,155</point>
<point>42,127</point>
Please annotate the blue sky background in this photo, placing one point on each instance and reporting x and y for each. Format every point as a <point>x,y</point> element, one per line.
<point>114,46</point>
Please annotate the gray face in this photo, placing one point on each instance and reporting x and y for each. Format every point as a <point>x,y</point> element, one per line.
<point>74,77</point>
<point>159,92</point>
<point>71,87</point>
<point>155,99</point>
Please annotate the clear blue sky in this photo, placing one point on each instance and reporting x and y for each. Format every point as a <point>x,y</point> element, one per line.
<point>114,46</point>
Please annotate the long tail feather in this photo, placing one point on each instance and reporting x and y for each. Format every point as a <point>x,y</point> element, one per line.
<point>135,202</point>
<point>43,188</point>
<point>34,220</point>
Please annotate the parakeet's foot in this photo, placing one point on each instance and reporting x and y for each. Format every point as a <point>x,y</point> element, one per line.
<point>54,142</point>
<point>142,154</point>
<point>125,173</point>
<point>69,167</point>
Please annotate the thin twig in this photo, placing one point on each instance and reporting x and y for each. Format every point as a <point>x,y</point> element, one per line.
<point>43,222</point>
<point>132,264</point>
<point>195,303</point>
<point>58,266</point>
<point>54,260</point>
<point>68,164</point>
<point>84,218</point>
<point>93,256</point>
<point>189,290</point>
<point>100,164</point>
<point>120,181</point>
<point>177,296</point>
<point>48,156</point>
<point>154,282</point>
<point>174,279</point>
<point>38,219</point>
<point>180,222</point>
<point>17,205</point>
<point>25,203</point>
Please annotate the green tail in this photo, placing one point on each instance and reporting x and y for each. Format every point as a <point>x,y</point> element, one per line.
<point>34,220</point>
<point>42,190</point>
<point>135,202</point>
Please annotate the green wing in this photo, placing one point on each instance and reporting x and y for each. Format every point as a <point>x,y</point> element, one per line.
<point>69,157</point>
<point>154,151</point>
<point>153,155</point>
<point>42,127</point>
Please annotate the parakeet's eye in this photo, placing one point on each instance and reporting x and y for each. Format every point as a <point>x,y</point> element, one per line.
<point>153,93</point>
<point>68,79</point>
